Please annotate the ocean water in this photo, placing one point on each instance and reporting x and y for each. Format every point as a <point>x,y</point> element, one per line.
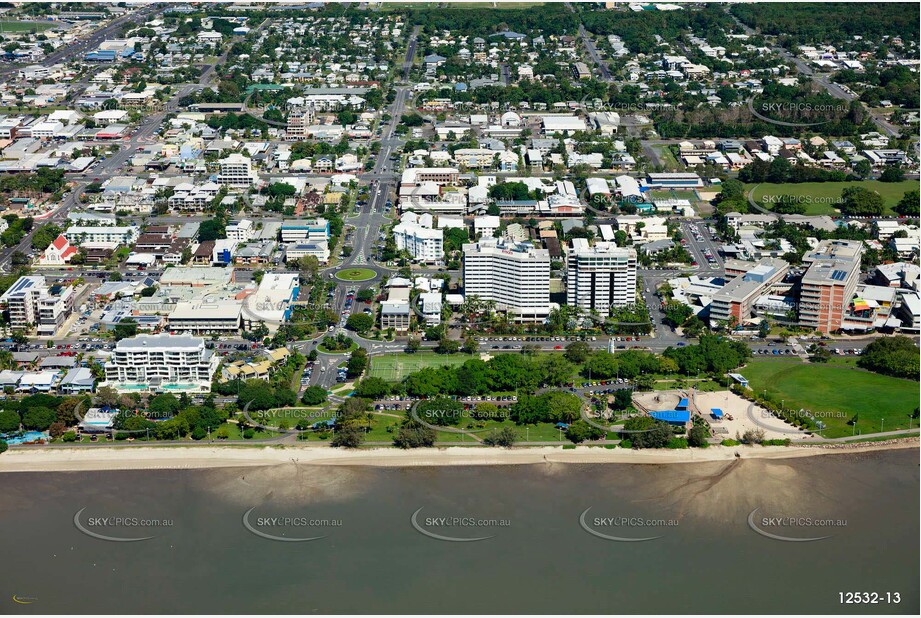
<point>381,538</point>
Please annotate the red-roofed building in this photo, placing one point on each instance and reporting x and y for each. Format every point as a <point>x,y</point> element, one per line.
<point>58,252</point>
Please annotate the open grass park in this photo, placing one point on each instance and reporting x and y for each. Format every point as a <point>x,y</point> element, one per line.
<point>821,198</point>
<point>835,392</point>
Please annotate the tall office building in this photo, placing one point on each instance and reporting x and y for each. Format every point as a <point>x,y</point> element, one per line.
<point>829,283</point>
<point>514,275</point>
<point>601,276</point>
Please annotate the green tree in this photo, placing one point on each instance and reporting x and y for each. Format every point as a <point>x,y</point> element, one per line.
<point>314,395</point>
<point>413,434</point>
<point>125,329</point>
<point>164,406</point>
<point>372,388</point>
<point>357,363</point>
<point>580,431</point>
<point>38,418</point>
<point>910,204</point>
<point>9,421</point>
<point>577,352</point>
<point>441,411</point>
<point>895,356</point>
<point>892,173</point>
<point>861,202</point>
<point>360,323</point>
<point>698,436</point>
<point>646,432</point>
<point>500,437</point>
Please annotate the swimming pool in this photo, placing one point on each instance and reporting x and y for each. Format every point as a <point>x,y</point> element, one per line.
<point>28,436</point>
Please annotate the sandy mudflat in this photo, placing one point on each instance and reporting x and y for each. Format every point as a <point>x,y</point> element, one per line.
<point>164,458</point>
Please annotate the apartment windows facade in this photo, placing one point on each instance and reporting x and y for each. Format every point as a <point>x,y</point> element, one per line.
<point>600,277</point>
<point>516,276</point>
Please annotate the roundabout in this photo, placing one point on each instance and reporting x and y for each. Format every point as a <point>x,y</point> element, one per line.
<point>356,274</point>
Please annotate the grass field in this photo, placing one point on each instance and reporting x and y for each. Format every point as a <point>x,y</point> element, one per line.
<point>667,158</point>
<point>836,392</point>
<point>820,198</point>
<point>395,367</point>
<point>25,26</point>
<point>356,274</point>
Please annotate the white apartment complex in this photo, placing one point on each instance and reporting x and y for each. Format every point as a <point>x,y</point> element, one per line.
<point>32,304</point>
<point>162,362</point>
<point>601,276</point>
<point>103,237</point>
<point>516,276</point>
<point>414,234</point>
<point>241,231</point>
<point>236,171</point>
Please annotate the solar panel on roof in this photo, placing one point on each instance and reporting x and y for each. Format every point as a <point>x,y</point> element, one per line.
<point>838,275</point>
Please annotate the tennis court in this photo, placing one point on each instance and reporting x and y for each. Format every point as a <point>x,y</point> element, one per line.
<point>395,367</point>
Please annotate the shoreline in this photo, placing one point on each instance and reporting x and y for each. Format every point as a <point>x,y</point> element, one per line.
<point>183,457</point>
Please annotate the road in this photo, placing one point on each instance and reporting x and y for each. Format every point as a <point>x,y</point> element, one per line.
<point>593,53</point>
<point>88,44</point>
<point>381,182</point>
<point>114,162</point>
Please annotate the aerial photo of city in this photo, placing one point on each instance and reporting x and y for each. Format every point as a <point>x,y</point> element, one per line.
<point>575,308</point>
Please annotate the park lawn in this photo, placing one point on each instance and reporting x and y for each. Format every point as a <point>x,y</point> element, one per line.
<point>667,157</point>
<point>233,433</point>
<point>395,367</point>
<point>379,425</point>
<point>820,198</point>
<point>24,26</point>
<point>837,389</point>
<point>540,432</point>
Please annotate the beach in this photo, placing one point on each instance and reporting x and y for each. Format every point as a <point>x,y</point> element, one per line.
<point>187,457</point>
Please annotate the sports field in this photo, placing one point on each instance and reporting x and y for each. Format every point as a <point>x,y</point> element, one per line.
<point>395,367</point>
<point>24,26</point>
<point>820,198</point>
<point>835,392</point>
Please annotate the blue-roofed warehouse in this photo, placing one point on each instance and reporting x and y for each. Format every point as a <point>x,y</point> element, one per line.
<point>683,404</point>
<point>101,55</point>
